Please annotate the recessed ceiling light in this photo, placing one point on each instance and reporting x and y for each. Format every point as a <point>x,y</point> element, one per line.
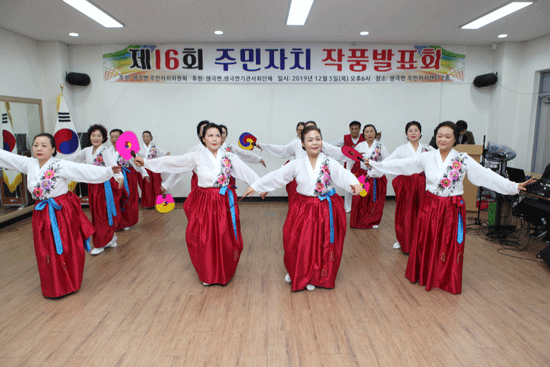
<point>92,11</point>
<point>497,14</point>
<point>73,34</point>
<point>364,33</point>
<point>218,32</point>
<point>502,35</point>
<point>298,12</point>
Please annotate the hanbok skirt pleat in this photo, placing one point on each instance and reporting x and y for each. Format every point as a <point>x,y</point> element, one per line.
<point>213,248</point>
<point>150,190</point>
<point>310,258</point>
<point>365,212</point>
<point>61,274</point>
<point>291,191</point>
<point>98,208</point>
<point>436,258</point>
<point>129,204</point>
<point>409,191</point>
<point>194,181</point>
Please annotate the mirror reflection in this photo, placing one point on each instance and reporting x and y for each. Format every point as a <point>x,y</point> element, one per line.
<point>21,121</point>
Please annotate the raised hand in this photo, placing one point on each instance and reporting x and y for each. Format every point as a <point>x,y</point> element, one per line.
<point>139,161</point>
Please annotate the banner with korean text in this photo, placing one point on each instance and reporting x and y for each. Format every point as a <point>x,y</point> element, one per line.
<point>284,63</point>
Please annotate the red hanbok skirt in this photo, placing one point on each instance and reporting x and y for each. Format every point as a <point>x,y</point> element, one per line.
<point>436,258</point>
<point>409,191</point>
<point>291,191</point>
<point>194,181</point>
<point>150,190</point>
<point>98,207</point>
<point>213,248</point>
<point>61,274</point>
<point>129,204</point>
<point>310,258</point>
<point>365,212</point>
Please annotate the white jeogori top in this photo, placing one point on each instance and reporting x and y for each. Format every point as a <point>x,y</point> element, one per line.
<point>52,179</point>
<point>102,157</point>
<point>311,181</point>
<point>151,151</point>
<point>376,152</point>
<point>444,178</point>
<point>211,171</point>
<point>407,151</point>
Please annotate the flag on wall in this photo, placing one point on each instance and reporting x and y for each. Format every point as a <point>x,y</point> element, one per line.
<point>66,138</point>
<point>11,178</point>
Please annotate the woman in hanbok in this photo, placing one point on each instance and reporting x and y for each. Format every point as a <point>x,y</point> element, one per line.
<point>437,253</point>
<point>315,227</point>
<point>366,212</point>
<point>151,188</point>
<point>213,233</point>
<point>61,231</point>
<point>294,150</point>
<point>129,197</point>
<point>104,204</point>
<point>409,190</point>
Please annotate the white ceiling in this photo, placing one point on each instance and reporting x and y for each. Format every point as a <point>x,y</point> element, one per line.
<point>194,21</point>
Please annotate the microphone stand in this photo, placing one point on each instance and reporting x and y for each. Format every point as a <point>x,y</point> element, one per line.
<point>479,189</point>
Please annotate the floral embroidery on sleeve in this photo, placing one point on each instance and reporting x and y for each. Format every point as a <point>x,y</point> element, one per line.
<point>454,173</point>
<point>225,173</point>
<point>47,182</point>
<point>323,184</point>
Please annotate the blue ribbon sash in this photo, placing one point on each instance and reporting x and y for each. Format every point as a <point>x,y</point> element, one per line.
<point>327,197</point>
<point>126,187</point>
<point>111,208</point>
<point>52,207</point>
<point>224,190</point>
<point>374,190</point>
<point>460,230</point>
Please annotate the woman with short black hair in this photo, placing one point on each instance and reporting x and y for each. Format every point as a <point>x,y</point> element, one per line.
<point>61,231</point>
<point>103,198</point>
<point>409,190</point>
<point>213,233</point>
<point>437,252</point>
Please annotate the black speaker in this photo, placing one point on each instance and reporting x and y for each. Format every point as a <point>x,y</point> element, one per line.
<point>485,80</point>
<point>78,79</point>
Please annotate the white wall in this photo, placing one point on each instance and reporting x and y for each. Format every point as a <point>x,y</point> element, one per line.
<point>271,112</point>
<point>20,66</point>
<point>505,112</point>
<point>536,58</point>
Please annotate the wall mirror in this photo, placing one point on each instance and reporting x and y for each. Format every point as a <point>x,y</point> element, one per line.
<point>22,119</point>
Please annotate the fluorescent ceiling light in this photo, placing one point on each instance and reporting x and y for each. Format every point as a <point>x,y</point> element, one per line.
<point>73,34</point>
<point>502,35</point>
<point>218,32</point>
<point>364,33</point>
<point>497,14</point>
<point>92,11</point>
<point>299,10</point>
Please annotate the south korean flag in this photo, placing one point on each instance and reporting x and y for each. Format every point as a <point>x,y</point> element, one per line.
<point>11,178</point>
